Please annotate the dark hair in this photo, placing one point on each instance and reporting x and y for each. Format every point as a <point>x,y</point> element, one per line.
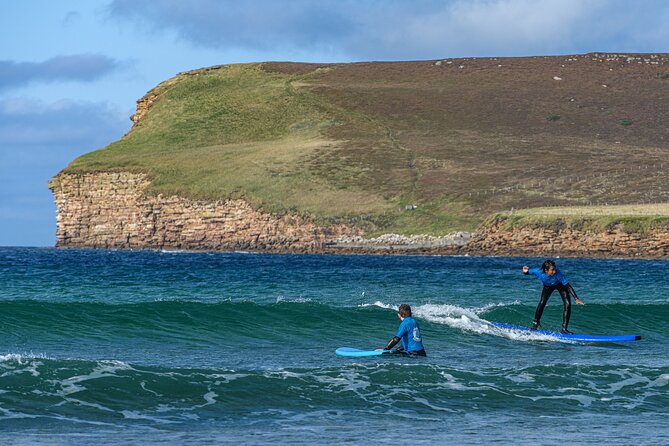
<point>404,310</point>
<point>547,265</point>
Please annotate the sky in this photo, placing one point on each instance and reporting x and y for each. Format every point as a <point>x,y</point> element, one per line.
<point>72,71</point>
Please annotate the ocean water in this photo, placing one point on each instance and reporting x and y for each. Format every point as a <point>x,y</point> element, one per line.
<point>118,347</point>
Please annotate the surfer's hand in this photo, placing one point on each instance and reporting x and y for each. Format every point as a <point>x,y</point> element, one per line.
<point>579,301</point>
<point>526,269</point>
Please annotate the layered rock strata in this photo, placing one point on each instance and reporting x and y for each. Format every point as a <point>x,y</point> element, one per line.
<point>496,238</point>
<point>113,210</point>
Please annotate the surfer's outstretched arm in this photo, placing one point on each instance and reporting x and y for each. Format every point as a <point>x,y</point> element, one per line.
<point>571,291</point>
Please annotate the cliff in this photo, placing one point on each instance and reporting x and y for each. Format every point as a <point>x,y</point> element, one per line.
<point>111,210</point>
<point>580,238</point>
<point>311,157</point>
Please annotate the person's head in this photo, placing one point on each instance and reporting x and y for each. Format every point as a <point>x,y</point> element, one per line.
<point>404,311</point>
<point>549,267</point>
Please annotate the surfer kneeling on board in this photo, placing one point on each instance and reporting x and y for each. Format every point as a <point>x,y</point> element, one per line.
<point>553,280</point>
<point>408,333</point>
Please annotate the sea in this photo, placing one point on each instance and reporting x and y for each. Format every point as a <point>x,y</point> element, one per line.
<point>151,347</point>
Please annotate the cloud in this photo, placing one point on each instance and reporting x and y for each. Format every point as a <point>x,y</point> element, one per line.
<point>27,123</point>
<point>78,67</point>
<point>397,29</point>
<point>254,24</point>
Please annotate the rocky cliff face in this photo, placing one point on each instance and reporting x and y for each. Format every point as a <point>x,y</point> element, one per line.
<point>112,210</point>
<point>570,240</point>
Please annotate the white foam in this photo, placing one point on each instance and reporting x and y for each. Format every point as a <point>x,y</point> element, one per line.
<point>467,319</point>
<point>85,404</point>
<point>490,306</point>
<point>451,382</point>
<point>29,364</point>
<point>227,378</point>
<point>348,380</point>
<point>380,304</point>
<point>295,300</point>
<point>437,308</point>
<point>136,415</point>
<point>103,369</point>
<point>521,378</point>
<point>446,314</point>
<point>433,406</point>
<point>661,381</point>
<point>210,398</point>
<point>632,381</point>
<point>22,358</point>
<point>8,414</point>
<point>583,400</point>
<point>142,384</point>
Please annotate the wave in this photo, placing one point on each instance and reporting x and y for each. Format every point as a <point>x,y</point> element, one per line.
<point>116,391</point>
<point>198,321</point>
<point>649,320</point>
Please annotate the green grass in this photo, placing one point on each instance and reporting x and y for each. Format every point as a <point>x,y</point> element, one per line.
<point>240,131</point>
<point>220,108</point>
<point>437,219</point>
<point>631,218</point>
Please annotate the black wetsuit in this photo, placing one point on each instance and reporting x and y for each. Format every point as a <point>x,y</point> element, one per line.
<point>565,293</point>
<point>559,282</point>
<point>400,350</point>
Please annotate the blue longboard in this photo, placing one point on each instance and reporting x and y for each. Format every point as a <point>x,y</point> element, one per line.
<point>356,353</point>
<point>572,337</point>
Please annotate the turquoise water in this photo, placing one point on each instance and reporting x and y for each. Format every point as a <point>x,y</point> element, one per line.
<point>116,347</point>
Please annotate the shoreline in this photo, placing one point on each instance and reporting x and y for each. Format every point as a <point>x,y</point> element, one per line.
<point>379,251</point>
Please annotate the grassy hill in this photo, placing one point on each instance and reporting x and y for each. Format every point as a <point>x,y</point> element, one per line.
<point>408,147</point>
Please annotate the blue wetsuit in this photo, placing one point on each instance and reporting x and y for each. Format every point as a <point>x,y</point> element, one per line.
<point>409,334</point>
<point>547,280</point>
<point>557,281</point>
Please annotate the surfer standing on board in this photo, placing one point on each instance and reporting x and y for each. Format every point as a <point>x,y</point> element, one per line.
<point>408,333</point>
<point>553,280</point>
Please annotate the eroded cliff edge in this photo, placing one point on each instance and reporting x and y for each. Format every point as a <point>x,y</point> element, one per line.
<point>112,210</point>
<point>634,237</point>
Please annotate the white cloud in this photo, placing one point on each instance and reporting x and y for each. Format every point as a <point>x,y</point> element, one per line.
<point>397,29</point>
<point>63,124</point>
<point>77,67</point>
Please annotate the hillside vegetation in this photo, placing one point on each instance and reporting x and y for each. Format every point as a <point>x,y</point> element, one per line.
<point>408,147</point>
<point>632,218</point>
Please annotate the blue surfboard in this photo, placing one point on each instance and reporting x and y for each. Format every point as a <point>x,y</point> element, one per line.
<point>585,338</point>
<point>356,353</point>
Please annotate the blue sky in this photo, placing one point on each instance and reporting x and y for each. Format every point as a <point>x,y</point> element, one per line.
<point>71,71</point>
